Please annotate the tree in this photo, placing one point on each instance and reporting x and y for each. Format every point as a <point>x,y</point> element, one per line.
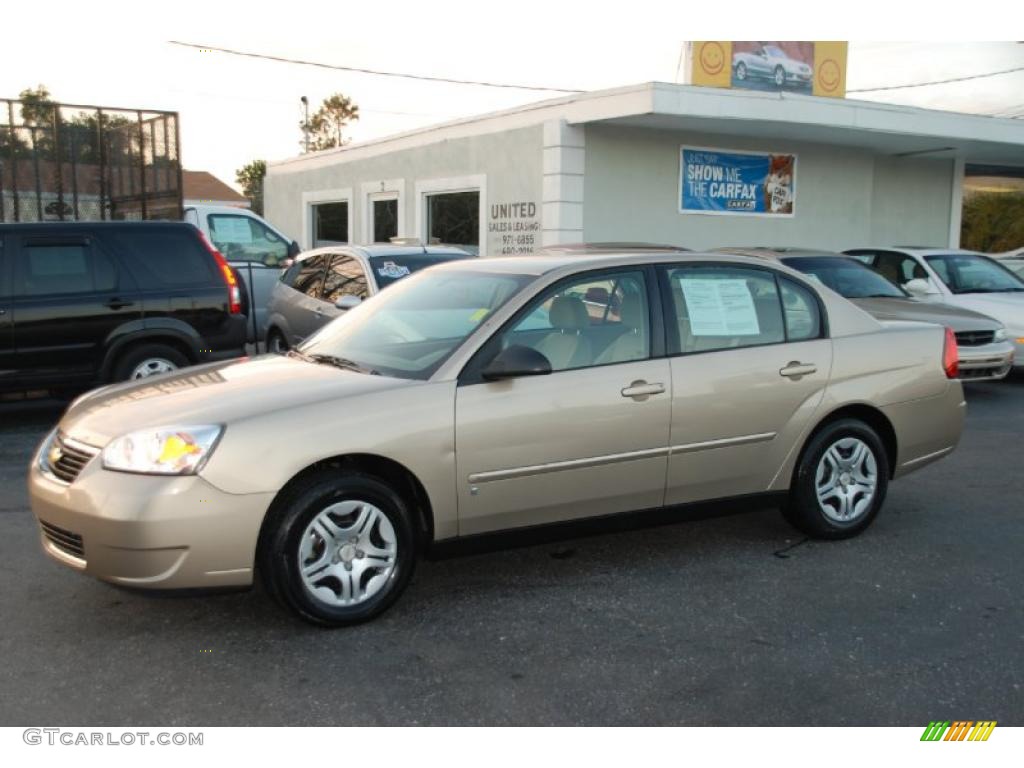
<point>251,178</point>
<point>37,112</point>
<point>327,124</point>
<point>993,221</point>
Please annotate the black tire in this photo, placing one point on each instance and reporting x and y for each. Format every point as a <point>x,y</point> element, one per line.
<point>135,356</point>
<point>279,551</point>
<point>803,509</point>
<point>275,337</point>
<point>741,71</point>
<point>780,77</point>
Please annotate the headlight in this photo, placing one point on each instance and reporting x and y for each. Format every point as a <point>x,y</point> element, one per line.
<point>1000,335</point>
<point>163,450</point>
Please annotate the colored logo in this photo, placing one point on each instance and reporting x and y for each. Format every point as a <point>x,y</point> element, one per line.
<point>712,58</point>
<point>958,730</point>
<point>828,75</point>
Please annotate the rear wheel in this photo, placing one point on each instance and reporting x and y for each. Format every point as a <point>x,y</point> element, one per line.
<point>741,71</point>
<point>147,360</point>
<point>840,483</point>
<point>276,343</point>
<point>339,548</point>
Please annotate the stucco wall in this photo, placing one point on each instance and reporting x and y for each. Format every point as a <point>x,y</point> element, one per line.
<point>844,197</point>
<point>510,164</point>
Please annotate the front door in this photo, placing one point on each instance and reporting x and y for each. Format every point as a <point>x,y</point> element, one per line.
<point>588,439</point>
<point>750,361</point>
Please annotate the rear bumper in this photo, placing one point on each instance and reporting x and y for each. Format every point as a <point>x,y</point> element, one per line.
<point>927,429</point>
<point>148,532</point>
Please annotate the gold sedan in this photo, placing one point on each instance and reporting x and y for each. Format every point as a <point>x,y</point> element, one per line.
<point>495,394</point>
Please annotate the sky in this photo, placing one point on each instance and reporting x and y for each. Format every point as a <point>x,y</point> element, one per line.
<point>237,109</point>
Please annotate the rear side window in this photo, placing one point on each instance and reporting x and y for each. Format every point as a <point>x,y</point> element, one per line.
<point>724,308</point>
<point>162,258</point>
<point>802,314</point>
<point>63,268</point>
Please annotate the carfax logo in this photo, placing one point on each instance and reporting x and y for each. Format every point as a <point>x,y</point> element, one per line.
<point>958,730</point>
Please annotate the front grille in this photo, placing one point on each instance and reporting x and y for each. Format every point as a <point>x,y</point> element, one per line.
<point>66,458</point>
<point>975,338</point>
<point>64,540</point>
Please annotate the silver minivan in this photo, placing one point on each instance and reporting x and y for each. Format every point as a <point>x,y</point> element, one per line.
<point>326,282</point>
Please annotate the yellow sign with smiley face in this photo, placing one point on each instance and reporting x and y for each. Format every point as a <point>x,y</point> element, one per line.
<point>809,68</point>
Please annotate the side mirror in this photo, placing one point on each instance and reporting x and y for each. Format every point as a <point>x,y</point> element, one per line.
<point>516,361</point>
<point>348,301</point>
<point>919,286</point>
<point>293,249</point>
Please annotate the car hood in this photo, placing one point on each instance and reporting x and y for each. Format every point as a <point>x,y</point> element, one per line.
<point>957,318</point>
<point>1008,308</point>
<point>220,393</point>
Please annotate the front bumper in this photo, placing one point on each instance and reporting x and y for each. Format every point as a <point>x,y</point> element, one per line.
<point>986,362</point>
<point>148,531</point>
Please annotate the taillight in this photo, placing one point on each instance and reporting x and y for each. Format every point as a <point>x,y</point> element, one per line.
<point>950,355</point>
<point>234,292</point>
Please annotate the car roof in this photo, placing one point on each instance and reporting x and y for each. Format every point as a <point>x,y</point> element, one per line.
<point>28,225</point>
<point>611,247</point>
<point>768,252</point>
<point>570,262</point>
<point>384,250</point>
<point>921,250</point>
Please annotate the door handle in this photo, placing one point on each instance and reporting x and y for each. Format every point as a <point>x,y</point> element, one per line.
<point>117,303</point>
<point>640,390</point>
<point>795,369</point>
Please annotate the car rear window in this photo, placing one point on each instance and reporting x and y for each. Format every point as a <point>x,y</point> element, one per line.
<point>163,258</point>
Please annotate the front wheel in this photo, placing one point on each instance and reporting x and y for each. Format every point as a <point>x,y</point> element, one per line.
<point>780,77</point>
<point>339,548</point>
<point>840,483</point>
<point>276,344</point>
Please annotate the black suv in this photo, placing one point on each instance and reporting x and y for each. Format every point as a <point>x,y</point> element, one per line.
<point>89,303</point>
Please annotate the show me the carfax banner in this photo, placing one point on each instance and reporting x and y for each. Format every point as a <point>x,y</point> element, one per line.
<point>731,182</point>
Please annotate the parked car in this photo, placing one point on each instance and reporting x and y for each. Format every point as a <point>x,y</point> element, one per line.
<point>441,410</point>
<point>256,250</point>
<point>1014,261</point>
<point>88,303</point>
<point>326,282</point>
<point>769,62</point>
<point>962,278</point>
<point>985,352</point>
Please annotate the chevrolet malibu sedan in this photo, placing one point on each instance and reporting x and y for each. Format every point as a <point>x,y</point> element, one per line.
<point>492,394</point>
<point>985,352</point>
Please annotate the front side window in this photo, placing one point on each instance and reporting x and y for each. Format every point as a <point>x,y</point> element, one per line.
<point>64,268</point>
<point>453,218</point>
<point>586,322</point>
<point>723,307</point>
<point>330,223</point>
<point>241,238</point>
<point>409,330</point>
<point>311,275</point>
<point>345,277</point>
<point>968,273</point>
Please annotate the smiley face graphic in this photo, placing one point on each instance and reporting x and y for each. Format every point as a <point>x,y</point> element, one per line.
<point>712,58</point>
<point>829,75</point>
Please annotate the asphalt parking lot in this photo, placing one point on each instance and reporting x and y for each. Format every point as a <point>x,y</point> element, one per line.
<point>727,621</point>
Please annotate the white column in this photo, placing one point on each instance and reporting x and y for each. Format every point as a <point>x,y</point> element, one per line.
<point>956,203</point>
<point>562,199</point>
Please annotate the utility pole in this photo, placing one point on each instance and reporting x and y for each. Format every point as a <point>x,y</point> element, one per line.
<point>305,121</point>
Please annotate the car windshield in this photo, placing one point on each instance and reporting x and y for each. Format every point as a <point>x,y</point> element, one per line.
<point>968,273</point>
<point>409,330</point>
<point>1015,265</point>
<point>771,50</point>
<point>388,269</point>
<point>846,277</point>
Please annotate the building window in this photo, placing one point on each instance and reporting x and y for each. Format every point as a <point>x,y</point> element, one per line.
<point>453,218</point>
<point>330,223</point>
<point>385,220</point>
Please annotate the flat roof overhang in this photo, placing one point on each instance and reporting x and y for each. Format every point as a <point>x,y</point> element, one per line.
<point>885,129</point>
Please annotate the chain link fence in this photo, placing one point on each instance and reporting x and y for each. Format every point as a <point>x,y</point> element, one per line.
<point>72,162</point>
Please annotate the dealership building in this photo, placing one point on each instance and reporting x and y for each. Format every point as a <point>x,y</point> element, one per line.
<point>684,165</point>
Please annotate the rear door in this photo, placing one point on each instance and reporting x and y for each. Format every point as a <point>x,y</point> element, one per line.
<point>750,361</point>
<point>70,296</point>
<point>7,367</point>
